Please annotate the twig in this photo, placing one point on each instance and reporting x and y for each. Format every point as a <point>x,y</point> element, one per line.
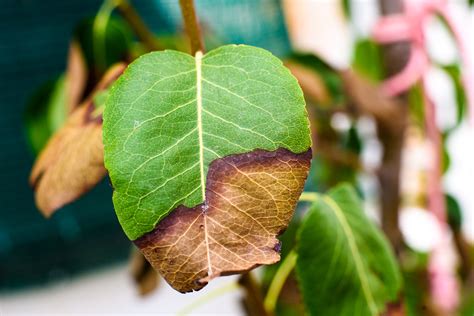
<point>253,300</point>
<point>208,297</point>
<point>395,57</point>
<point>137,24</point>
<point>98,34</point>
<point>279,281</point>
<point>192,26</point>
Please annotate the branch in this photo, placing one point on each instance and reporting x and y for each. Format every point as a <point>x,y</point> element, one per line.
<point>192,26</point>
<point>395,56</point>
<point>137,24</point>
<point>253,300</point>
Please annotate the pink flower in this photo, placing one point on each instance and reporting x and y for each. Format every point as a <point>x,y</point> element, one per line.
<point>442,270</point>
<point>409,26</point>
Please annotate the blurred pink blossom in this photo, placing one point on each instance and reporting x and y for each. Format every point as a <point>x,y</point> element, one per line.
<point>409,26</point>
<point>442,271</point>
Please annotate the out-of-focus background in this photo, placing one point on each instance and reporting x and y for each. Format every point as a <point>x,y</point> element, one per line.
<point>76,262</point>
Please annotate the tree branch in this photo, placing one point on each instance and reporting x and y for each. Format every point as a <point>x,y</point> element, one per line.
<point>137,24</point>
<point>395,56</point>
<point>192,26</point>
<point>253,300</point>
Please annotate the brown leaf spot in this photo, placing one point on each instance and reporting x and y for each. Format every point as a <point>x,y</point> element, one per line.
<point>73,160</point>
<point>250,199</point>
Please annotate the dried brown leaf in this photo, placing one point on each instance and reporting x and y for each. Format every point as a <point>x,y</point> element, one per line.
<point>73,160</point>
<point>311,83</point>
<point>76,76</point>
<point>250,198</point>
<point>145,277</point>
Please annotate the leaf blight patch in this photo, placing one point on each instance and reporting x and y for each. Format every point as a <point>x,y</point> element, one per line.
<point>204,140</point>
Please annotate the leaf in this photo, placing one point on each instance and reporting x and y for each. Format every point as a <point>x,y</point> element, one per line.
<point>367,59</point>
<point>311,82</point>
<point>117,42</point>
<point>455,216</point>
<point>454,72</point>
<point>207,156</point>
<point>327,73</point>
<point>72,161</point>
<point>145,277</point>
<point>45,113</point>
<point>345,265</point>
<point>76,76</point>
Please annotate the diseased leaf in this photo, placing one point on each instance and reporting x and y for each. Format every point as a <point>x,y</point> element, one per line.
<point>72,161</point>
<point>145,277</point>
<point>207,156</point>
<point>76,76</point>
<point>345,265</point>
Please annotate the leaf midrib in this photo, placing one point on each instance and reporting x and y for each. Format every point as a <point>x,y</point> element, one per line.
<point>355,253</point>
<point>198,60</point>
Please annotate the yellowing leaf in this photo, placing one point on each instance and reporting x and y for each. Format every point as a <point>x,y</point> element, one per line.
<point>73,160</point>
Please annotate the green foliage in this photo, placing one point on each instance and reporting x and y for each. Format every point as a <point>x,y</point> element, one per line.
<point>454,73</point>
<point>416,108</point>
<point>115,45</point>
<point>367,59</point>
<point>346,6</point>
<point>170,115</point>
<point>454,213</point>
<point>45,113</point>
<point>345,265</point>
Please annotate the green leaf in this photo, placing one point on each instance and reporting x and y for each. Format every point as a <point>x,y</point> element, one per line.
<point>115,42</point>
<point>170,115</point>
<point>347,7</point>
<point>45,112</point>
<point>454,72</point>
<point>455,217</point>
<point>345,265</point>
<point>367,59</point>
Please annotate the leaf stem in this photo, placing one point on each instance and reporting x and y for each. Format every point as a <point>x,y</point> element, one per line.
<point>192,26</point>
<point>253,300</point>
<point>127,11</point>
<point>98,33</point>
<point>309,197</point>
<point>208,297</point>
<point>279,281</point>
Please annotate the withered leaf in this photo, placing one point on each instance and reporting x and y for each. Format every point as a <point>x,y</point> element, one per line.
<point>250,200</point>
<point>73,160</point>
<point>76,76</point>
<point>207,156</point>
<point>311,82</point>
<point>145,277</point>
